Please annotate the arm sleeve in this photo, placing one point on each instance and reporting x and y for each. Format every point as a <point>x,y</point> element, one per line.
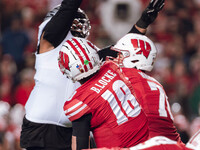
<point>81,129</point>
<point>107,52</point>
<point>57,28</point>
<point>134,30</point>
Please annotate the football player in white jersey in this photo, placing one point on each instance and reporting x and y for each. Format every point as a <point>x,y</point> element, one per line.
<point>45,127</point>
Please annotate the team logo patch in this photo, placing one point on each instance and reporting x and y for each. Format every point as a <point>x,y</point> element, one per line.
<point>145,47</point>
<point>63,60</point>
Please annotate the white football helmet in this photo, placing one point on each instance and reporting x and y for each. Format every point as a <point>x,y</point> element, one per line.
<point>78,59</point>
<point>138,51</point>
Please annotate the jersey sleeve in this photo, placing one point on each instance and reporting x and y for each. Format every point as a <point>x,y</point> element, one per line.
<point>75,109</point>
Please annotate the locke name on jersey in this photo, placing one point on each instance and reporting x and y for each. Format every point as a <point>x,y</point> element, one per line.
<point>107,77</point>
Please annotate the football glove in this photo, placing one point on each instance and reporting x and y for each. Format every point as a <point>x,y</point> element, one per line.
<point>150,13</point>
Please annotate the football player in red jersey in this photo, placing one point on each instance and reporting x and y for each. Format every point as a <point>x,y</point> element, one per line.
<point>137,56</point>
<point>105,103</point>
<point>148,16</point>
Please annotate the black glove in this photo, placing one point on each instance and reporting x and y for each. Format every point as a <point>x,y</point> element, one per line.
<point>150,13</point>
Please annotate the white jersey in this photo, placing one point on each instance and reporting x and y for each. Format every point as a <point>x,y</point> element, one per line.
<point>52,89</point>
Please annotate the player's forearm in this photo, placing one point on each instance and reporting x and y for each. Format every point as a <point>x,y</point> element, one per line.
<point>57,28</point>
<point>81,132</point>
<point>79,143</point>
<point>74,143</point>
<point>148,16</point>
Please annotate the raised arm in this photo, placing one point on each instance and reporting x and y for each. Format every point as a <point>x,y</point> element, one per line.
<point>148,16</point>
<point>57,28</point>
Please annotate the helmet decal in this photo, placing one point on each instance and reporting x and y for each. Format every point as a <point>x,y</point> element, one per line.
<point>86,62</point>
<point>144,46</point>
<point>79,66</point>
<point>63,61</point>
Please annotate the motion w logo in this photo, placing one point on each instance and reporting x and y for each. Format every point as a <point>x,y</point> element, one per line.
<point>63,60</point>
<point>144,46</point>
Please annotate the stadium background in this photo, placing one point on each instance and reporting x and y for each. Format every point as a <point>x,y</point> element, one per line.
<point>176,33</point>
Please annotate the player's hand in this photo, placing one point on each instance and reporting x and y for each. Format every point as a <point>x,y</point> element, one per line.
<point>150,13</point>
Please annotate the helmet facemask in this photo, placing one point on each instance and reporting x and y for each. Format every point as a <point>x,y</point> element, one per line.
<point>81,25</point>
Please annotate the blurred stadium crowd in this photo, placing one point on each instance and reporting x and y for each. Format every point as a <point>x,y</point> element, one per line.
<point>176,33</point>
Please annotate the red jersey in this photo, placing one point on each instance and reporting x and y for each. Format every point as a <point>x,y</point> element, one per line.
<point>117,118</point>
<point>154,101</point>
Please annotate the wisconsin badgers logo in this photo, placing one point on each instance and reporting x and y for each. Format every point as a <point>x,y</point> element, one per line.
<point>63,60</point>
<point>145,47</point>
